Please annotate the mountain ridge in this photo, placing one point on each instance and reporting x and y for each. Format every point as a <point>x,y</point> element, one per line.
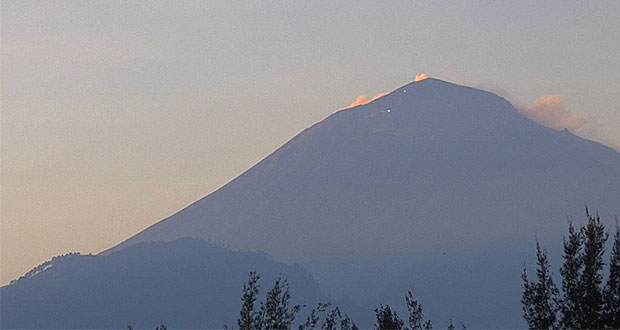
<point>291,140</point>
<point>367,109</point>
<point>185,283</point>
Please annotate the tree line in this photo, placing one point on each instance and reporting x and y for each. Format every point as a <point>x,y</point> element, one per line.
<point>585,301</point>
<point>277,313</point>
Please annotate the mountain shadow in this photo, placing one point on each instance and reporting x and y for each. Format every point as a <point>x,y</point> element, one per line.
<point>186,283</point>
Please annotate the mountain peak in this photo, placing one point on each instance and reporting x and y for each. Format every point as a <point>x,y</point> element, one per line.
<point>432,107</point>
<point>427,133</point>
<point>430,167</point>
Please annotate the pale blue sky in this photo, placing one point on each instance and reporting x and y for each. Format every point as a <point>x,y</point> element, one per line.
<point>116,114</point>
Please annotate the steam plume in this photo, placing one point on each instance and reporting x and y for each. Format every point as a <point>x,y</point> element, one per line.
<point>550,110</point>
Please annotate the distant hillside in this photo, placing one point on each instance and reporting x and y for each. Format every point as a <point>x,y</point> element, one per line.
<point>186,283</point>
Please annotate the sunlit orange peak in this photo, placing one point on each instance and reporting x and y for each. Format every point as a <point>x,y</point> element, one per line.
<point>363,100</point>
<point>420,77</point>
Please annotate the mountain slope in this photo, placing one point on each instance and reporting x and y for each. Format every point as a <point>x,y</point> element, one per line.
<point>432,163</point>
<point>186,284</point>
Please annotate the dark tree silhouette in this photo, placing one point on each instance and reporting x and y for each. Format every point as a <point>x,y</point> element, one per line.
<point>331,319</point>
<point>347,324</point>
<point>594,238</point>
<point>416,316</point>
<point>571,273</point>
<point>313,318</point>
<point>586,303</point>
<point>612,288</point>
<point>539,298</point>
<point>451,326</point>
<point>387,319</point>
<point>248,317</point>
<point>276,313</point>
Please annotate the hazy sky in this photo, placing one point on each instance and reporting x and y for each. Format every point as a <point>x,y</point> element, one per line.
<point>114,115</point>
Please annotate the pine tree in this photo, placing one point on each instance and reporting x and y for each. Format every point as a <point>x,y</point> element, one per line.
<point>313,318</point>
<point>451,326</point>
<point>331,319</point>
<point>248,316</point>
<point>276,313</point>
<point>428,325</point>
<point>594,238</point>
<point>539,298</point>
<point>612,288</point>
<point>416,316</point>
<point>571,274</point>
<point>387,319</point>
<point>347,324</point>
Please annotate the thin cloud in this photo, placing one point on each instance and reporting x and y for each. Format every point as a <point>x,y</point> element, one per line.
<point>550,110</point>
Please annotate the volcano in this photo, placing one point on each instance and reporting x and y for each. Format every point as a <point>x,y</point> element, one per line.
<point>435,187</point>
<point>430,165</point>
<point>433,180</point>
